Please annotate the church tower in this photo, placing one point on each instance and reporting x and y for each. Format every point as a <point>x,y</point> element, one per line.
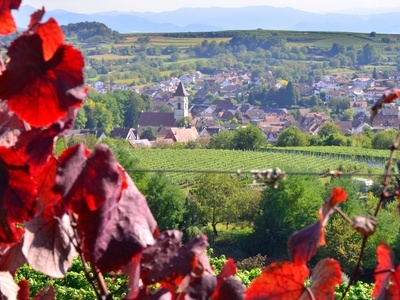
<point>181,102</point>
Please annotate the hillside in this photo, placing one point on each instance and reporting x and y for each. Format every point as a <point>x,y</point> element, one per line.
<point>217,18</point>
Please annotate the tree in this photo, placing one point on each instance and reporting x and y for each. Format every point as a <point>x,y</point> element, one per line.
<point>383,139</point>
<point>292,205</point>
<point>218,198</point>
<point>248,138</point>
<point>222,140</point>
<point>149,133</point>
<point>166,201</point>
<point>328,129</point>
<point>292,137</point>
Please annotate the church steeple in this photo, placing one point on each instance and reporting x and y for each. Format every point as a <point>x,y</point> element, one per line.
<point>181,102</point>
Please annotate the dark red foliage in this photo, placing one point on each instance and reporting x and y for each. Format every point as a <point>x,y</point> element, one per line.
<point>11,257</point>
<point>172,265</point>
<point>38,90</point>
<point>47,293</point>
<point>383,270</point>
<point>325,276</point>
<point>228,287</point>
<point>17,195</point>
<point>7,24</point>
<point>23,293</point>
<point>303,244</point>
<point>280,280</point>
<point>48,242</point>
<point>116,231</point>
<point>88,181</point>
<point>50,33</point>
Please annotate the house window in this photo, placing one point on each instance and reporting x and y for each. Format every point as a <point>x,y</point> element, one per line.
<point>179,105</point>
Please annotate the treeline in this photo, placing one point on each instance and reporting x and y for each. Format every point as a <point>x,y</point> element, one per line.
<point>91,32</point>
<point>117,109</point>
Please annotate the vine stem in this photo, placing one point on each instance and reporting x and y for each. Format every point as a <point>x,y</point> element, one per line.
<point>383,197</point>
<point>104,294</point>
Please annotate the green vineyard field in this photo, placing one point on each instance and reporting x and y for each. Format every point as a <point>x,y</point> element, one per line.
<point>200,160</point>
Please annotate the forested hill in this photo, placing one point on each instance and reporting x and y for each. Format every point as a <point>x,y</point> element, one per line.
<point>91,32</point>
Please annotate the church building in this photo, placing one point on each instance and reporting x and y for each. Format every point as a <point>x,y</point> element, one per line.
<point>163,119</point>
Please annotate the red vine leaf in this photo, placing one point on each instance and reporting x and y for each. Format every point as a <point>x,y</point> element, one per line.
<point>38,90</point>
<point>45,180</point>
<point>8,287</point>
<point>303,244</point>
<point>394,288</point>
<point>48,243</point>
<point>229,269</point>
<point>226,287</point>
<point>7,24</point>
<point>172,265</point>
<point>17,195</point>
<point>116,231</point>
<point>385,258</point>
<point>36,17</point>
<point>50,32</point>
<point>325,276</point>
<point>88,183</point>
<point>231,288</point>
<point>47,293</point>
<point>280,280</point>
<point>11,257</point>
<point>201,287</point>
<point>337,196</point>
<point>133,272</point>
<point>23,293</point>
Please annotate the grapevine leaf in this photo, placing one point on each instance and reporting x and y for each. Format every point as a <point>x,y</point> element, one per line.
<point>228,270</point>
<point>23,293</point>
<point>132,270</point>
<point>36,17</point>
<point>303,244</point>
<point>38,91</point>
<point>7,24</point>
<point>394,287</point>
<point>11,257</point>
<point>45,180</point>
<point>47,293</point>
<point>385,258</point>
<point>280,280</point>
<point>117,231</point>
<point>325,276</point>
<point>10,126</point>
<point>174,265</point>
<point>71,163</point>
<point>337,196</point>
<point>50,33</point>
<point>160,294</point>
<point>8,287</point>
<point>17,195</point>
<point>388,97</point>
<point>231,288</point>
<point>158,256</point>
<point>100,178</point>
<point>201,287</point>
<point>37,145</point>
<point>48,243</point>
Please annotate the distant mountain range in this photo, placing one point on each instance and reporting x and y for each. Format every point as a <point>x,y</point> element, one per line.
<point>217,18</point>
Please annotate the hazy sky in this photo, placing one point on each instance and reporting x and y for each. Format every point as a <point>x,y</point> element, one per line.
<point>91,6</point>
